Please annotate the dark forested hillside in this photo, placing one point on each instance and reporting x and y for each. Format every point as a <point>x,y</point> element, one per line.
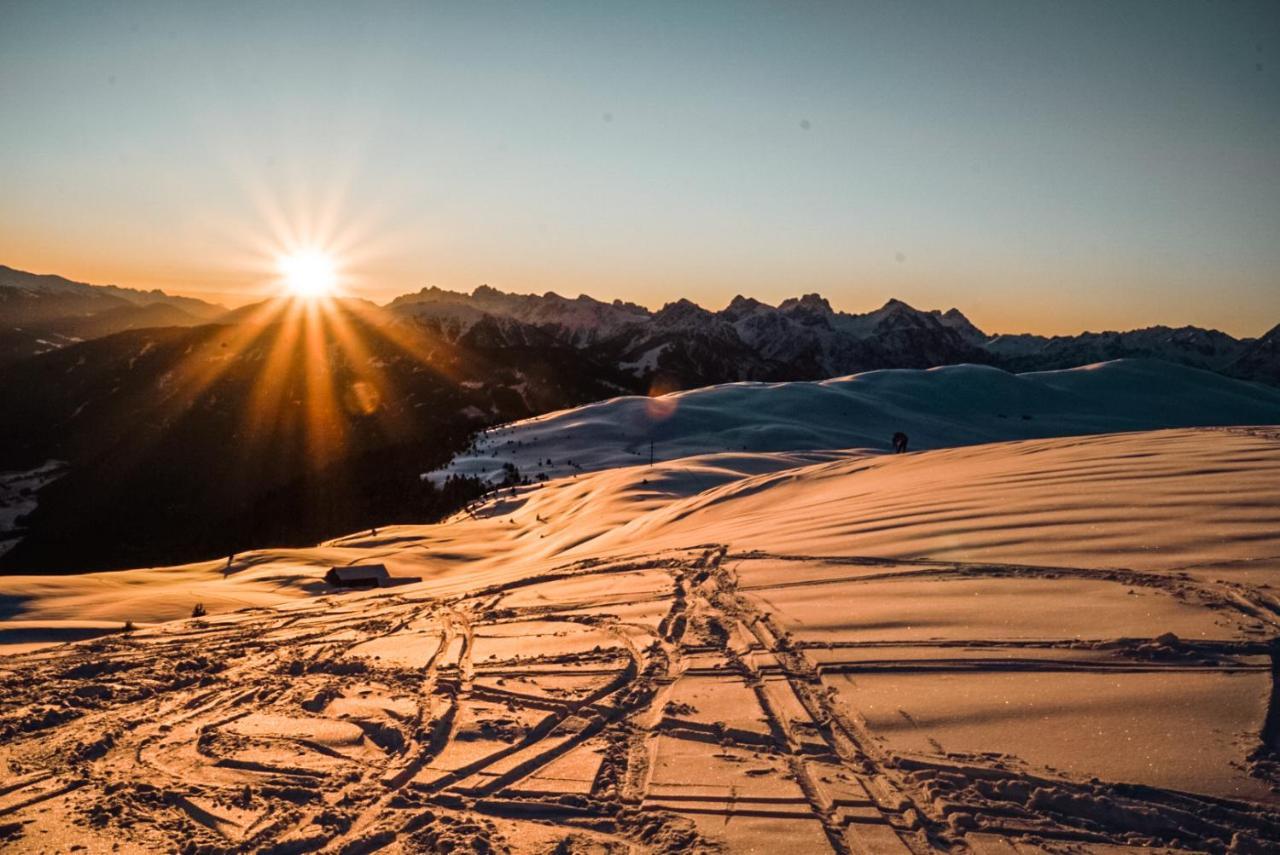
<point>188,443</point>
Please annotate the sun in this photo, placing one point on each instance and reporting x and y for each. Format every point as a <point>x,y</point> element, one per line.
<point>308,273</point>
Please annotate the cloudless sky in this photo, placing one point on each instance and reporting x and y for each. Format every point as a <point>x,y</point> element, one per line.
<point>1046,167</point>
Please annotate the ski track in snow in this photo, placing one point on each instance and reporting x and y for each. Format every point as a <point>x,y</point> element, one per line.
<point>652,705</point>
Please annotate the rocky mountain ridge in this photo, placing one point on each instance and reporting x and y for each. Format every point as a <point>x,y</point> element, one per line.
<point>683,344</point>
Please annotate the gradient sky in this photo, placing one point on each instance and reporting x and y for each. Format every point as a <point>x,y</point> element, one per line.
<point>1047,167</point>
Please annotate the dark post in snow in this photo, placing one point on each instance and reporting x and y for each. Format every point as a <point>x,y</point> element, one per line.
<point>1271,725</point>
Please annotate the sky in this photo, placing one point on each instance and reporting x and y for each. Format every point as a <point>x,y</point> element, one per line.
<point>1045,167</point>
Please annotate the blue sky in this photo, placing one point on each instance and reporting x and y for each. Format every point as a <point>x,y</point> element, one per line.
<point>1043,166</point>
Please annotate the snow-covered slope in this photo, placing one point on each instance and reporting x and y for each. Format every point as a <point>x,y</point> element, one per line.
<point>1018,640</point>
<point>890,653</point>
<point>990,646</point>
<point>937,408</point>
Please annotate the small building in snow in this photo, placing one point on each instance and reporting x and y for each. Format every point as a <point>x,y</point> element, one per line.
<point>366,576</point>
<point>357,576</point>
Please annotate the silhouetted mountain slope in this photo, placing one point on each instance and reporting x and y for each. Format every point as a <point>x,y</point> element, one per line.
<point>1259,360</point>
<point>45,283</point>
<point>1199,348</point>
<point>187,443</point>
<point>39,313</point>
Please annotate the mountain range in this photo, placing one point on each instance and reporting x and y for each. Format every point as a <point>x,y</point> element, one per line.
<point>683,345</point>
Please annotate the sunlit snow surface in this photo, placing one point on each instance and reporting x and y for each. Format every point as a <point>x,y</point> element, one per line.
<point>1036,644</point>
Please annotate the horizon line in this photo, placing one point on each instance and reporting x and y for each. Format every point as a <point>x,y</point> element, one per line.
<point>243,298</point>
